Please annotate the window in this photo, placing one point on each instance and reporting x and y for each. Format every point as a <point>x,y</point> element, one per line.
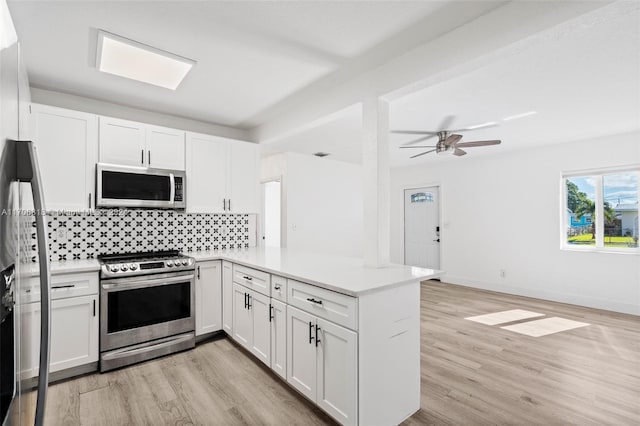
<point>601,210</point>
<point>422,197</point>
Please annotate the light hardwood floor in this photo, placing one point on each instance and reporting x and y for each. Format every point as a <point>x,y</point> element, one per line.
<point>472,374</point>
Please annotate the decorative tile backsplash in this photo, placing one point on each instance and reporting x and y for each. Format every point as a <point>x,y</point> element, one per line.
<point>81,235</point>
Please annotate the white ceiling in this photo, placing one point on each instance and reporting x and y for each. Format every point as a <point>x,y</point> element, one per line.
<point>582,77</point>
<point>250,55</point>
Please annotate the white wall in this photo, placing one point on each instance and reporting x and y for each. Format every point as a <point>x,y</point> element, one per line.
<point>323,205</point>
<point>503,212</point>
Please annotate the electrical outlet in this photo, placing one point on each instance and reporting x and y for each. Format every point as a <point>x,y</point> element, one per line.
<point>503,273</point>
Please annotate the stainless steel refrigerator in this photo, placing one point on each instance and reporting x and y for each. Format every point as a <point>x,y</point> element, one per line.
<point>21,402</point>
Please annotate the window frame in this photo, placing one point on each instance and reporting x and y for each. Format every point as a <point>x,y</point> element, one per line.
<point>598,175</point>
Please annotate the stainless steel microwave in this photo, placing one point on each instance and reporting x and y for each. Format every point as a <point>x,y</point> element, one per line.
<point>128,186</point>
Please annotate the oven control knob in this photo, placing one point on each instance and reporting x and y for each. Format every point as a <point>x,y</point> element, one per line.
<point>124,268</point>
<point>133,266</point>
<point>169,263</point>
<point>185,262</point>
<point>114,268</point>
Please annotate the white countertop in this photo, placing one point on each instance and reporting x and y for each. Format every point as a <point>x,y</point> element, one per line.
<point>63,267</point>
<point>345,275</point>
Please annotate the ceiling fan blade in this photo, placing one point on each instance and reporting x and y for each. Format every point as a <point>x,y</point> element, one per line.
<point>459,153</point>
<point>417,146</point>
<point>480,127</point>
<point>478,143</point>
<point>413,132</point>
<point>422,153</point>
<point>424,138</point>
<point>452,140</point>
<point>446,122</point>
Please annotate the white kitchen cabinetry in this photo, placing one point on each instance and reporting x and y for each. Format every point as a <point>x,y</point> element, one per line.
<point>67,143</point>
<point>251,322</point>
<point>322,363</point>
<point>227,297</point>
<point>137,144</point>
<point>208,297</point>
<point>279,338</point>
<point>74,334</point>
<point>222,175</point>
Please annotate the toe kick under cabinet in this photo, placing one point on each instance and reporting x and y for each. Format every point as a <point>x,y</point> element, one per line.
<point>357,358</point>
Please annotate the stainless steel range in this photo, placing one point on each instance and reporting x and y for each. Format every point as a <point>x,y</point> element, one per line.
<point>147,306</point>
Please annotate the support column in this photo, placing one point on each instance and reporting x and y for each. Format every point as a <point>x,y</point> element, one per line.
<point>376,182</point>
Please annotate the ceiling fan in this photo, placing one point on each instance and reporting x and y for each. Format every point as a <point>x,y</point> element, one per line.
<point>448,140</point>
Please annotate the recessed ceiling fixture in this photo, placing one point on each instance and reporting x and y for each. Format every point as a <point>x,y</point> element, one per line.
<point>127,58</point>
<point>321,154</point>
<point>524,114</point>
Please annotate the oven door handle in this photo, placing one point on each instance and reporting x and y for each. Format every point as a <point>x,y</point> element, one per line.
<point>148,283</point>
<point>172,190</point>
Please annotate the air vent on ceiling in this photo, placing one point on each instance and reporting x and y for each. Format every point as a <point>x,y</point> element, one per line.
<point>320,154</point>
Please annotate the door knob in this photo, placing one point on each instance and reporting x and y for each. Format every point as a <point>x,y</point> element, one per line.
<point>438,240</point>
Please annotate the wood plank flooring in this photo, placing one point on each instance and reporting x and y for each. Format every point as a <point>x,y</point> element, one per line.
<point>472,374</point>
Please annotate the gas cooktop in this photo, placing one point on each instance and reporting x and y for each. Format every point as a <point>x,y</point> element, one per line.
<point>128,264</point>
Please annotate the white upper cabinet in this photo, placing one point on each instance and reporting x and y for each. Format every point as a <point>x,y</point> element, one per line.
<point>122,142</point>
<point>66,143</point>
<point>207,166</point>
<point>222,175</point>
<point>165,148</point>
<point>137,144</point>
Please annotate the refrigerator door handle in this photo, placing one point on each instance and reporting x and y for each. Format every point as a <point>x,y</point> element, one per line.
<point>27,170</point>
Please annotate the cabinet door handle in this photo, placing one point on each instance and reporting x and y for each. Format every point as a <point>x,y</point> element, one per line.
<point>270,312</point>
<point>317,339</point>
<point>312,300</point>
<point>142,157</point>
<point>277,287</point>
<point>90,200</point>
<point>310,331</point>
<point>198,271</point>
<point>229,204</point>
<point>94,307</point>
<point>224,204</point>
<point>63,286</point>
<point>249,305</point>
<point>245,300</point>
<point>149,155</point>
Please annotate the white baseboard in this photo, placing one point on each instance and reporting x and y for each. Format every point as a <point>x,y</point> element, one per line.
<point>573,299</point>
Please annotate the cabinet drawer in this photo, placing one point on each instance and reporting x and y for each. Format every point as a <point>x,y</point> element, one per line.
<point>279,288</point>
<point>62,286</point>
<point>338,308</point>
<point>253,279</point>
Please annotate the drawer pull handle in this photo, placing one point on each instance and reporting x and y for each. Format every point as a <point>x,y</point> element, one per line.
<point>247,278</point>
<point>277,287</point>
<point>312,300</point>
<point>63,286</point>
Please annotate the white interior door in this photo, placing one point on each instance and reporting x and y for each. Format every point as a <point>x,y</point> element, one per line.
<point>422,227</point>
<point>272,215</point>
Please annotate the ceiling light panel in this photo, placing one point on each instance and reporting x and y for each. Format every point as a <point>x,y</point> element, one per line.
<point>130,59</point>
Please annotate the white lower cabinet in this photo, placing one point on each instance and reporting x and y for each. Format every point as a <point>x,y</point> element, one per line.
<point>279,338</point>
<point>251,322</point>
<point>208,297</point>
<point>322,364</point>
<point>227,297</point>
<point>74,334</point>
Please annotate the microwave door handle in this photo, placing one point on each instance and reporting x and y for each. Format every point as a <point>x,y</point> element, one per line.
<point>28,171</point>
<point>172,190</point>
